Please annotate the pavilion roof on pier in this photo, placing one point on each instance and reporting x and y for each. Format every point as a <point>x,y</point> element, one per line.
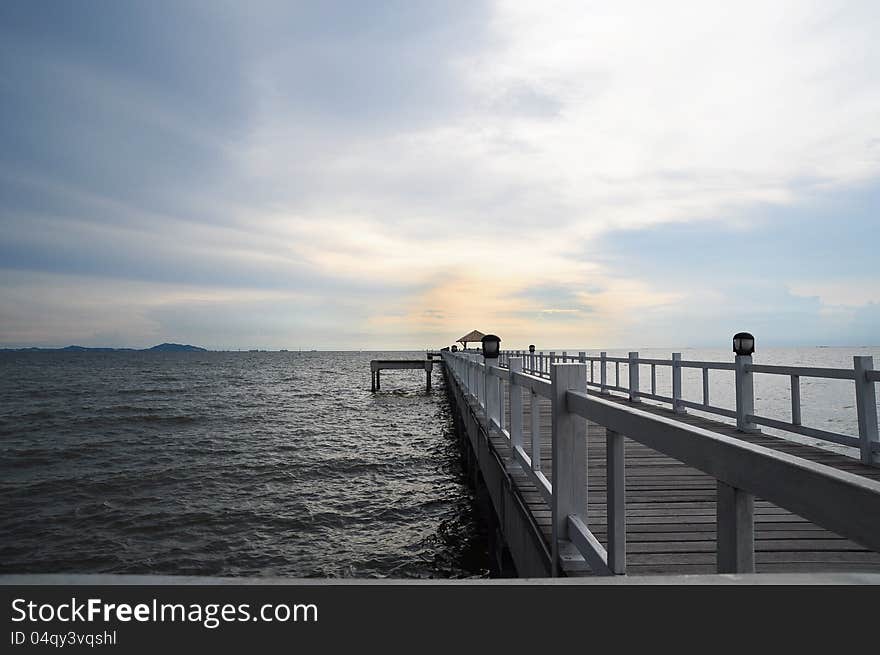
<point>472,336</point>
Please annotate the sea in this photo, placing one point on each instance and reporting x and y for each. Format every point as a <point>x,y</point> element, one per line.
<point>231,464</point>
<point>274,463</point>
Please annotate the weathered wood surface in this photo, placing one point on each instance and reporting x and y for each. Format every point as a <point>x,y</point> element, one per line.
<point>671,508</point>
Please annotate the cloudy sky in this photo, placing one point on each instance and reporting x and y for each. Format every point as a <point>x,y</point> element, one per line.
<point>394,174</point>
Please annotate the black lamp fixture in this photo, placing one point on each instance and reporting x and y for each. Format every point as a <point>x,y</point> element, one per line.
<point>532,348</point>
<point>743,343</point>
<point>491,346</point>
<point>454,348</point>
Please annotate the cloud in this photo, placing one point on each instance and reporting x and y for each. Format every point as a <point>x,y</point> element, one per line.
<point>420,168</point>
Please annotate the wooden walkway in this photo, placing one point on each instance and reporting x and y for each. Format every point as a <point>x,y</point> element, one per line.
<point>670,507</point>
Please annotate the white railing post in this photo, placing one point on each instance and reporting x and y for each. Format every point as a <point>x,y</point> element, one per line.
<point>535,408</point>
<point>499,396</point>
<point>866,406</point>
<point>677,407</point>
<point>488,401</point>
<point>735,529</point>
<point>705,386</point>
<point>475,379</point>
<point>745,393</point>
<point>569,454</point>
<point>634,377</point>
<point>602,372</point>
<point>516,435</point>
<point>478,382</point>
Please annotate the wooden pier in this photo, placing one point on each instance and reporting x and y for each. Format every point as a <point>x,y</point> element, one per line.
<point>379,365</point>
<point>584,482</point>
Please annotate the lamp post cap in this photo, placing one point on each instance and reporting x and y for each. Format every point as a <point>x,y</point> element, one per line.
<point>743,343</point>
<point>491,346</point>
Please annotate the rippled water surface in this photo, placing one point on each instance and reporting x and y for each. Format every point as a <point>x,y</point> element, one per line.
<point>230,464</point>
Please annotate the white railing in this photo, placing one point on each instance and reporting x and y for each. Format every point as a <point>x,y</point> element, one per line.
<point>842,502</point>
<point>862,374</point>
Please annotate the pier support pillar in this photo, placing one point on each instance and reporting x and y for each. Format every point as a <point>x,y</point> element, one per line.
<point>735,519</point>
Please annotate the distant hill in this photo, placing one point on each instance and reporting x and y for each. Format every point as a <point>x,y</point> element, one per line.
<point>77,349</point>
<point>162,347</point>
<point>177,348</point>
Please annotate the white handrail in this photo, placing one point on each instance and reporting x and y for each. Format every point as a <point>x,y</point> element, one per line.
<point>840,501</point>
<point>862,373</point>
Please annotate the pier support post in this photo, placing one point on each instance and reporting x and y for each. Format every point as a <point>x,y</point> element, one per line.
<point>373,381</point>
<point>866,406</point>
<point>633,367</point>
<point>569,444</point>
<point>429,368</point>
<point>735,527</point>
<point>516,413</point>
<point>745,393</point>
<point>677,407</point>
<point>615,501</point>
<point>378,384</point>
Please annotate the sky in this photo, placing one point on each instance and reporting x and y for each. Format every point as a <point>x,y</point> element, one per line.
<point>350,175</point>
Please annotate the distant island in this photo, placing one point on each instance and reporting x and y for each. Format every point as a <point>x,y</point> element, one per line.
<point>162,347</point>
<point>178,347</point>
